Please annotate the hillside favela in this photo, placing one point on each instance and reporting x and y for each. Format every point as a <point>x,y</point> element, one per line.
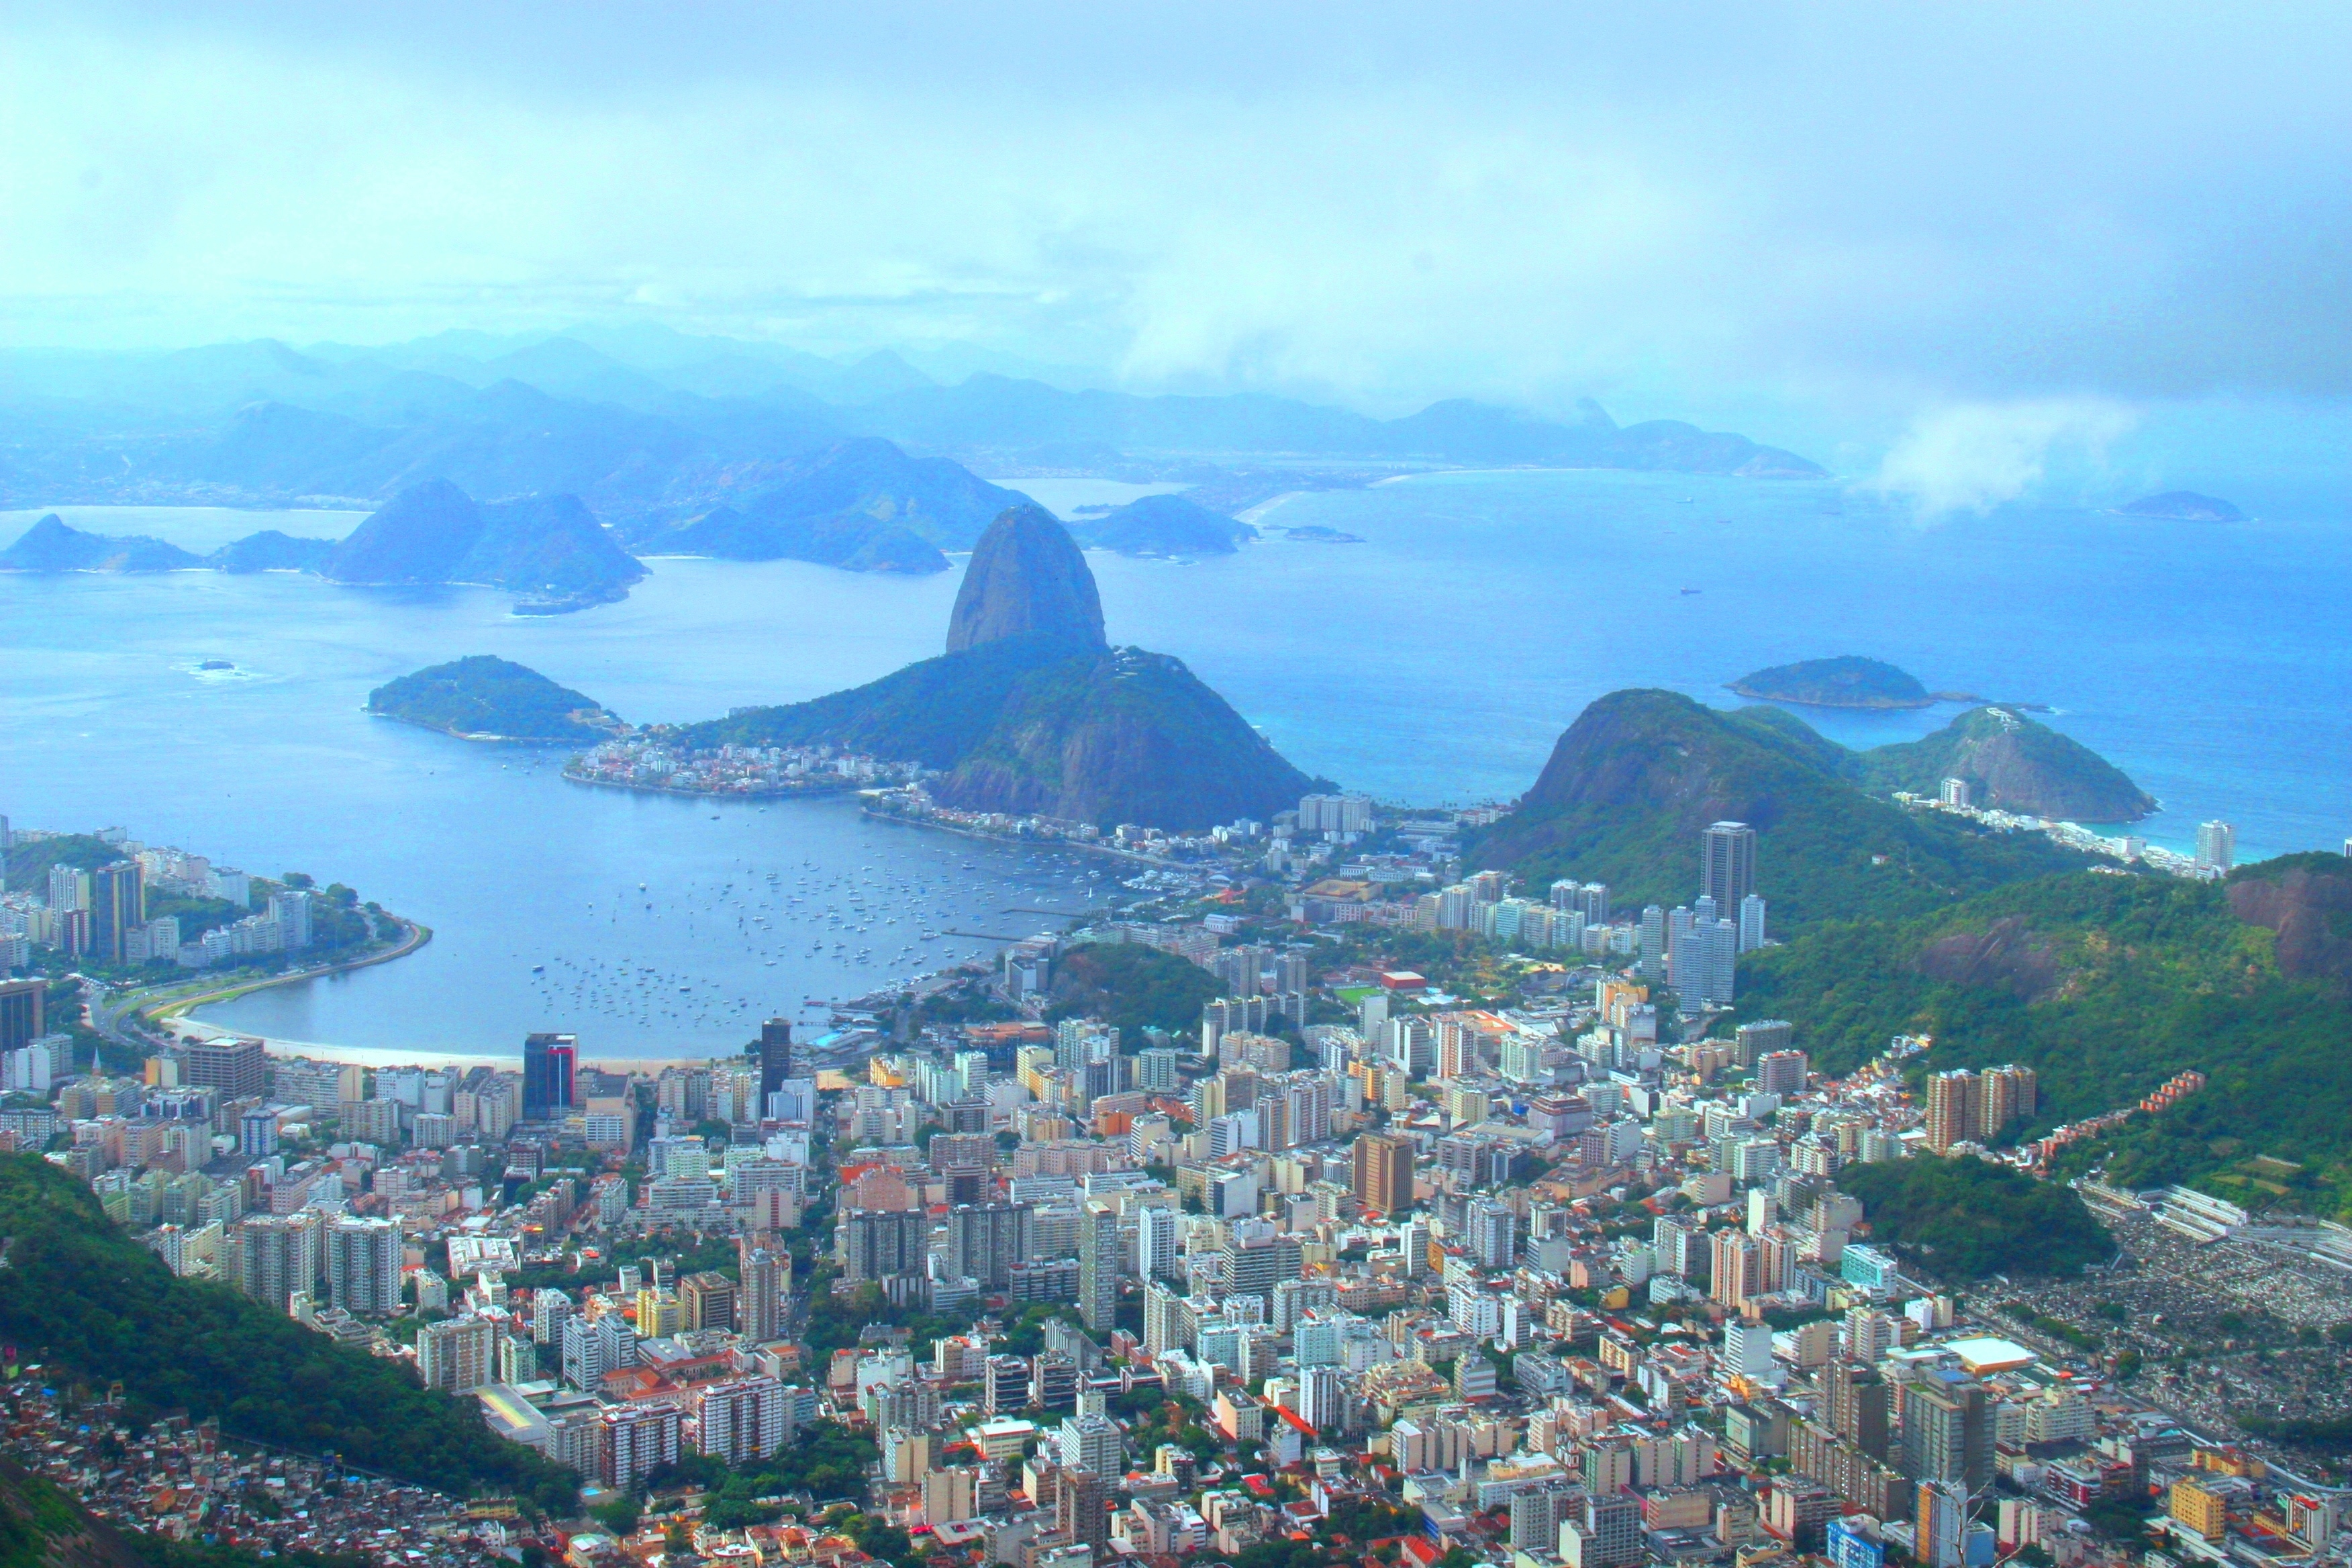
<point>1049,787</point>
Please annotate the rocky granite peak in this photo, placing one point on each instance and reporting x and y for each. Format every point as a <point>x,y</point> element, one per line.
<point>1027,578</point>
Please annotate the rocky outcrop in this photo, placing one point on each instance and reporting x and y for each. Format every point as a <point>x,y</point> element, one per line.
<point>2006,955</point>
<point>1026,578</point>
<point>2306,899</point>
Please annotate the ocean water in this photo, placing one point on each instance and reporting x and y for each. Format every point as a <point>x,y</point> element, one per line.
<point>1438,660</point>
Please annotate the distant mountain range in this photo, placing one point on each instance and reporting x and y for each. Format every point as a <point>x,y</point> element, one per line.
<point>701,443</point>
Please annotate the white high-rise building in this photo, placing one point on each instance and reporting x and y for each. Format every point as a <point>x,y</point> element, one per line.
<point>458,1355</point>
<point>1751,922</point>
<point>364,1259</point>
<point>2217,845</point>
<point>1159,1242</point>
<point>743,1420</point>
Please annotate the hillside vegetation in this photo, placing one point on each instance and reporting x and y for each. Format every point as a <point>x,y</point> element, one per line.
<point>1635,779</point>
<point>1132,988</point>
<point>1964,1218</point>
<point>483,695</point>
<point>77,1292</point>
<point>2107,987</point>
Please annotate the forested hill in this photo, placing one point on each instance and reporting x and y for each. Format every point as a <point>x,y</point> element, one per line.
<point>75,1292</point>
<point>2106,985</point>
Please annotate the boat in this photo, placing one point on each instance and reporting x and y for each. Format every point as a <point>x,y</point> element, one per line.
<point>1689,591</point>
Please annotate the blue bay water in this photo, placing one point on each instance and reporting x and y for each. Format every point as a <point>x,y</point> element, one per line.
<point>1437,660</point>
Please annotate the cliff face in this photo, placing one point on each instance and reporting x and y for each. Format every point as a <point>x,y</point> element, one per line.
<point>2306,899</point>
<point>2015,764</point>
<point>436,532</point>
<point>1026,578</point>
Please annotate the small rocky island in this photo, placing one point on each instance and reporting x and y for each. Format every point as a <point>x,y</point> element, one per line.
<point>1847,681</point>
<point>2183,506</point>
<point>489,699</point>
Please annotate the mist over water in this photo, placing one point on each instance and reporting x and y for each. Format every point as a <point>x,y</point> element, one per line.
<point>1437,660</point>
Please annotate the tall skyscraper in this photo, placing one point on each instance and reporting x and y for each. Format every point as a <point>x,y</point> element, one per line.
<point>1101,1253</point>
<point>2217,845</point>
<point>1726,867</point>
<point>548,1065</point>
<point>1651,961</point>
<point>1751,922</point>
<point>117,906</point>
<point>1383,1171</point>
<point>774,1049</point>
<point>1947,1431</point>
<point>363,1259</point>
<point>742,1420</point>
<point>1952,1109</point>
<point>985,1240</point>
<point>23,1013</point>
<point>759,1304</point>
<point>1158,1238</point>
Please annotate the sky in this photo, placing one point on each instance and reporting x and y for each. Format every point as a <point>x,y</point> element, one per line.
<point>1985,232</point>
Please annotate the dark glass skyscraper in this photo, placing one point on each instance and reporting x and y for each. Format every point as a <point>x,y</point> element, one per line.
<point>548,1062</point>
<point>1726,867</point>
<point>774,1049</point>
<point>117,906</point>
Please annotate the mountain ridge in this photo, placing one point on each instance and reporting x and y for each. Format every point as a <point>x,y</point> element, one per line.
<point>1634,779</point>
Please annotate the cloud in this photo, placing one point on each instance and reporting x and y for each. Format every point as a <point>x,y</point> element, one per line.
<point>1891,207</point>
<point>1975,456</point>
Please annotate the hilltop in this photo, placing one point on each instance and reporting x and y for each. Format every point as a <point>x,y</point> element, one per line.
<point>1164,525</point>
<point>2015,764</point>
<point>2107,986</point>
<point>1030,711</point>
<point>1630,784</point>
<point>1848,682</point>
<point>483,696</point>
<point>271,551</point>
<point>434,532</point>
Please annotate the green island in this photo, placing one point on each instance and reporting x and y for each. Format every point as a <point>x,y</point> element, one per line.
<point>484,698</point>
<point>1846,681</point>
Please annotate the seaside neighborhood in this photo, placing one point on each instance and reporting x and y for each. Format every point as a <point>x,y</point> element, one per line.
<point>1504,1259</point>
